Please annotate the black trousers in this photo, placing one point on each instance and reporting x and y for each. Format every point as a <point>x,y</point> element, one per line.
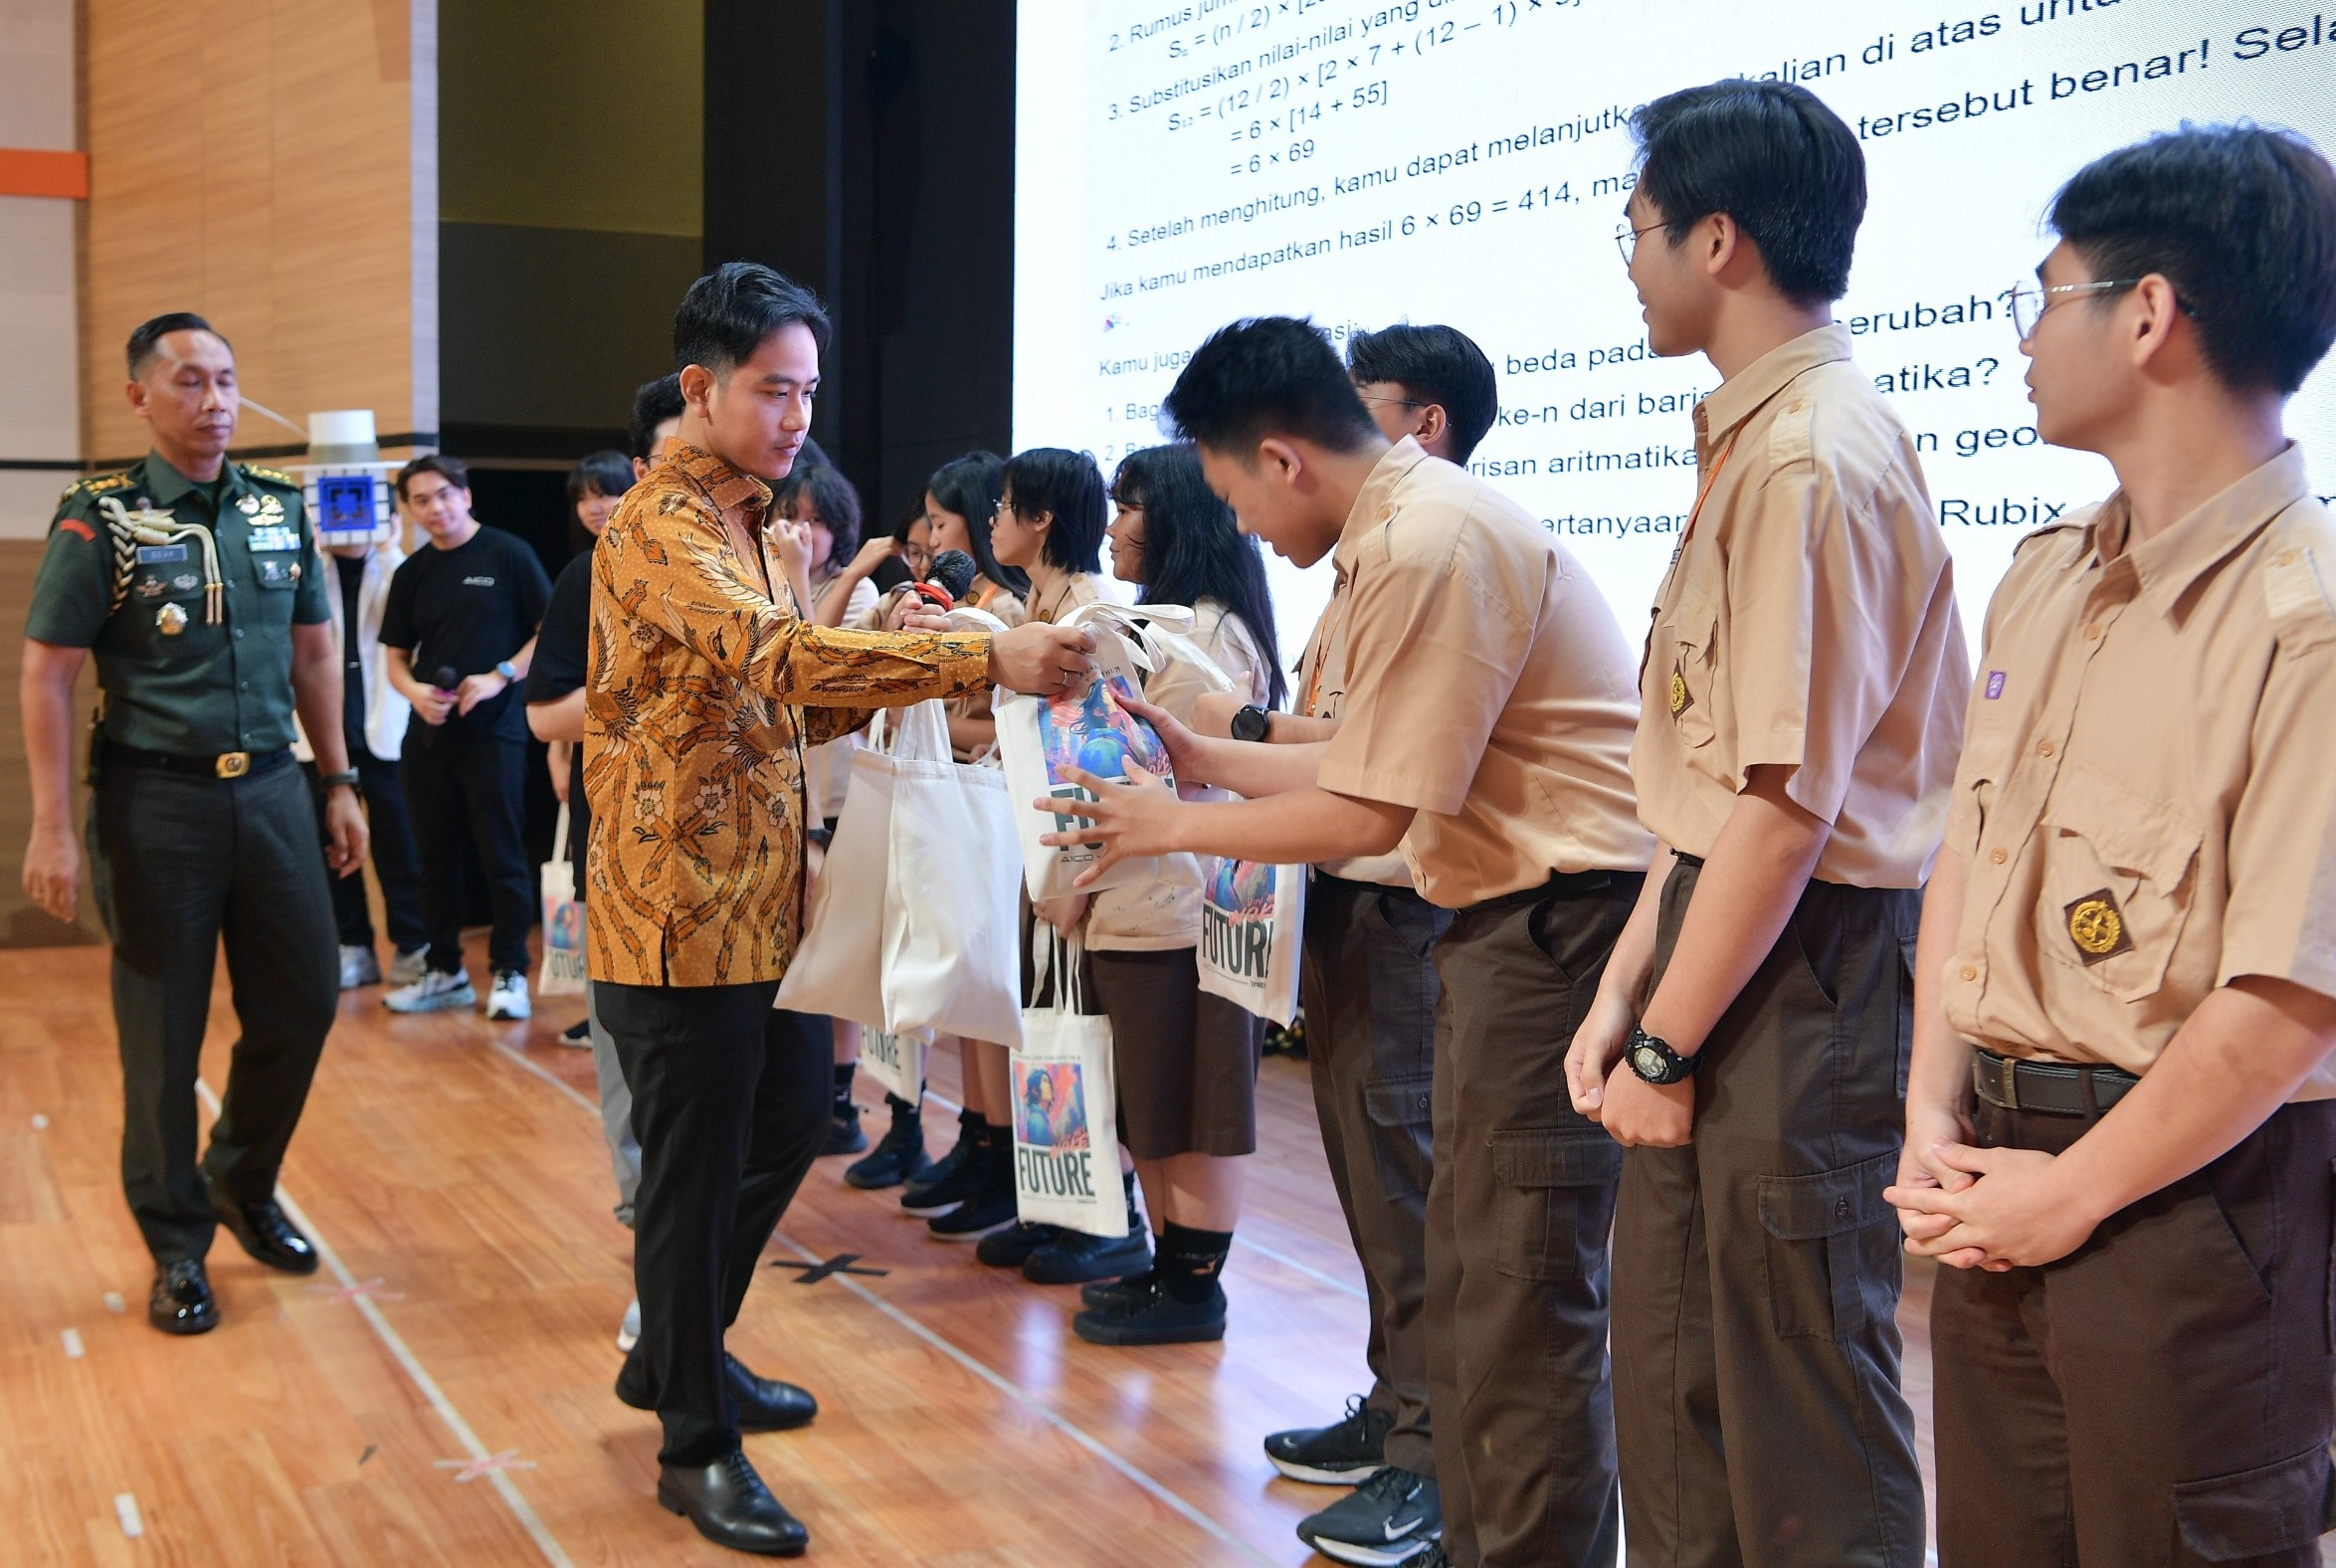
<point>395,865</point>
<point>460,785</point>
<point>2162,1395</point>
<point>177,863</point>
<point>731,1106</point>
<point>1756,1269</point>
<point>1370,994</point>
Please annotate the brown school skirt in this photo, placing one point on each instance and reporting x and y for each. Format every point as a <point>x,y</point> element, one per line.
<point>1187,1061</point>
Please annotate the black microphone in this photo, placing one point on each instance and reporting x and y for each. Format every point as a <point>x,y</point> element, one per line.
<point>952,573</point>
<point>444,679</point>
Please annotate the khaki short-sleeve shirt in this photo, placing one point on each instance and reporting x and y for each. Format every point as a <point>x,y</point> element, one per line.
<point>1322,695</point>
<point>2146,806</point>
<point>1807,621</point>
<point>1488,685</point>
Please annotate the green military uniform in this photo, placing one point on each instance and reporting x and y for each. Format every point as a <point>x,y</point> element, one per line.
<point>199,828</point>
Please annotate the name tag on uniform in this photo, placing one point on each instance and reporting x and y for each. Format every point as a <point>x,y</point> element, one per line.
<point>161,552</point>
<point>274,539</point>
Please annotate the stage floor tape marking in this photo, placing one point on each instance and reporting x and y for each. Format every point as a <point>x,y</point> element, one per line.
<point>125,1509</point>
<point>395,1343</point>
<point>965,1359</point>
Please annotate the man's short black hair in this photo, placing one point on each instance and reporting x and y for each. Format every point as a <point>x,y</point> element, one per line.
<point>1772,157</point>
<point>832,498</point>
<point>1434,364</point>
<point>600,473</point>
<point>1071,487</point>
<point>452,469</point>
<point>149,333</point>
<point>2242,221</point>
<point>1266,376</point>
<point>654,402</point>
<point>727,313</point>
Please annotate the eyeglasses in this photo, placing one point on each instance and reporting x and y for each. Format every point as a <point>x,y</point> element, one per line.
<point>1399,402</point>
<point>2030,305</point>
<point>999,511</point>
<point>1626,240</point>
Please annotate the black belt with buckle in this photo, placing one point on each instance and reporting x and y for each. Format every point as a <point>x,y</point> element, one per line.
<point>222,765</point>
<point>1561,885</point>
<point>2054,1088</point>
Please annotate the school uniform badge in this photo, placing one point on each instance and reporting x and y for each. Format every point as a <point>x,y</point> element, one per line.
<point>2097,928</point>
<point>1680,698</point>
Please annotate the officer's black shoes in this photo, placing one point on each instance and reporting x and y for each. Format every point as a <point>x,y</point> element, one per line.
<point>266,1234</point>
<point>182,1301</point>
<point>1011,1248</point>
<point>844,1133</point>
<point>1156,1318</point>
<point>764,1404</point>
<point>731,1507</point>
<point>1075,1258</point>
<point>1342,1455</point>
<point>898,1156</point>
<point>1394,1517</point>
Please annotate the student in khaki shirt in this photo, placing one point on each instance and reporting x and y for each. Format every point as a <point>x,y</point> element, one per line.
<point>2120,1124</point>
<point>1802,684</point>
<point>1486,730</point>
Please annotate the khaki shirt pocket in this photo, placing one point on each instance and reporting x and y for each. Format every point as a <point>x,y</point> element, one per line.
<point>1688,648</point>
<point>2119,879</point>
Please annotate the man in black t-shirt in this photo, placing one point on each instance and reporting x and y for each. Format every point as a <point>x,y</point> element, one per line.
<point>459,633</point>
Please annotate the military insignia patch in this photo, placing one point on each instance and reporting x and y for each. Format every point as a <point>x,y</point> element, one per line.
<point>1681,700</point>
<point>248,506</point>
<point>2097,928</point>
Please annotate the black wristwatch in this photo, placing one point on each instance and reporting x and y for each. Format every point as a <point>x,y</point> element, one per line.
<point>346,776</point>
<point>1655,1063</point>
<point>1251,723</point>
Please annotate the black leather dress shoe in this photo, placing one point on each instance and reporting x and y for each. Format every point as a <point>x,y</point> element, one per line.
<point>182,1302</point>
<point>266,1234</point>
<point>731,1507</point>
<point>764,1404</point>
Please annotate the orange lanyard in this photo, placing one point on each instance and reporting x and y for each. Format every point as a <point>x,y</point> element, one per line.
<point>1332,620</point>
<point>1701,496</point>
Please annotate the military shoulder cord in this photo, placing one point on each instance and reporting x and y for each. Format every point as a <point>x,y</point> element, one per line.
<point>146,526</point>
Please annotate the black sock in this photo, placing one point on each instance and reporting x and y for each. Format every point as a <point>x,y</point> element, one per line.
<point>1190,1261</point>
<point>1135,1221</point>
<point>1001,1143</point>
<point>843,1106</point>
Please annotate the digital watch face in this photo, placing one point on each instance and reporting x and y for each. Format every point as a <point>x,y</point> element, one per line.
<point>1646,1061</point>
<point>1362,164</point>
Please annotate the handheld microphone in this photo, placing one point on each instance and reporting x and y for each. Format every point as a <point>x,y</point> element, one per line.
<point>952,573</point>
<point>444,679</point>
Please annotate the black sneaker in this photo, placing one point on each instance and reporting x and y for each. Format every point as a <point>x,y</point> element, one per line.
<point>1393,1517</point>
<point>898,1156</point>
<point>844,1134</point>
<point>986,1211</point>
<point>1074,1258</point>
<point>1156,1318</point>
<point>962,1173</point>
<point>1012,1247</point>
<point>1344,1454</point>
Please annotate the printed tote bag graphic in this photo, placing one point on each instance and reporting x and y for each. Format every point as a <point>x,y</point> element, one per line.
<point>1065,1104</point>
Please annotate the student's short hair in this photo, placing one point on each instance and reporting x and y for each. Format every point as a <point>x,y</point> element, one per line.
<point>602,473</point>
<point>1436,364</point>
<point>452,469</point>
<point>969,487</point>
<point>1771,156</point>
<point>1071,487</point>
<point>144,341</point>
<point>1265,376</point>
<point>2240,220</point>
<point>833,497</point>
<point>654,402</point>
<point>907,522</point>
<point>727,313</point>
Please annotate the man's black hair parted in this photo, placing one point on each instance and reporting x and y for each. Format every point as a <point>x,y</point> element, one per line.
<point>600,473</point>
<point>450,469</point>
<point>2240,220</point>
<point>654,402</point>
<point>1771,156</point>
<point>149,333</point>
<point>822,490</point>
<point>1266,376</point>
<point>1435,365</point>
<point>1069,486</point>
<point>727,313</point>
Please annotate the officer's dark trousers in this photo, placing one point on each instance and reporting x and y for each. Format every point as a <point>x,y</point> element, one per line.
<point>730,1104</point>
<point>178,863</point>
<point>1517,1221</point>
<point>461,785</point>
<point>2160,1396</point>
<point>1757,1269</point>
<point>394,862</point>
<point>1370,997</point>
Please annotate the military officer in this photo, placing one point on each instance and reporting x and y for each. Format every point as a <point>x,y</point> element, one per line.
<point>195,582</point>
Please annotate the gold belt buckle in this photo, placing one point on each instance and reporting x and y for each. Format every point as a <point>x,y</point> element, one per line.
<point>233,764</point>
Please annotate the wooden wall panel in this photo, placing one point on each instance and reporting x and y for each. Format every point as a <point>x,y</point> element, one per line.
<point>251,159</point>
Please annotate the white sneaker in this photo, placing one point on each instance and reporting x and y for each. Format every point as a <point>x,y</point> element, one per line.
<point>629,1334</point>
<point>431,993</point>
<point>358,967</point>
<point>406,968</point>
<point>509,999</point>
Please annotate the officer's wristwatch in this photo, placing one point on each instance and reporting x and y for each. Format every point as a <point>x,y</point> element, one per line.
<point>1655,1063</point>
<point>1251,723</point>
<point>346,776</point>
<point>508,670</point>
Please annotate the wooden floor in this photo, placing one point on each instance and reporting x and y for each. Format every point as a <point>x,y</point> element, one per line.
<point>440,1393</point>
